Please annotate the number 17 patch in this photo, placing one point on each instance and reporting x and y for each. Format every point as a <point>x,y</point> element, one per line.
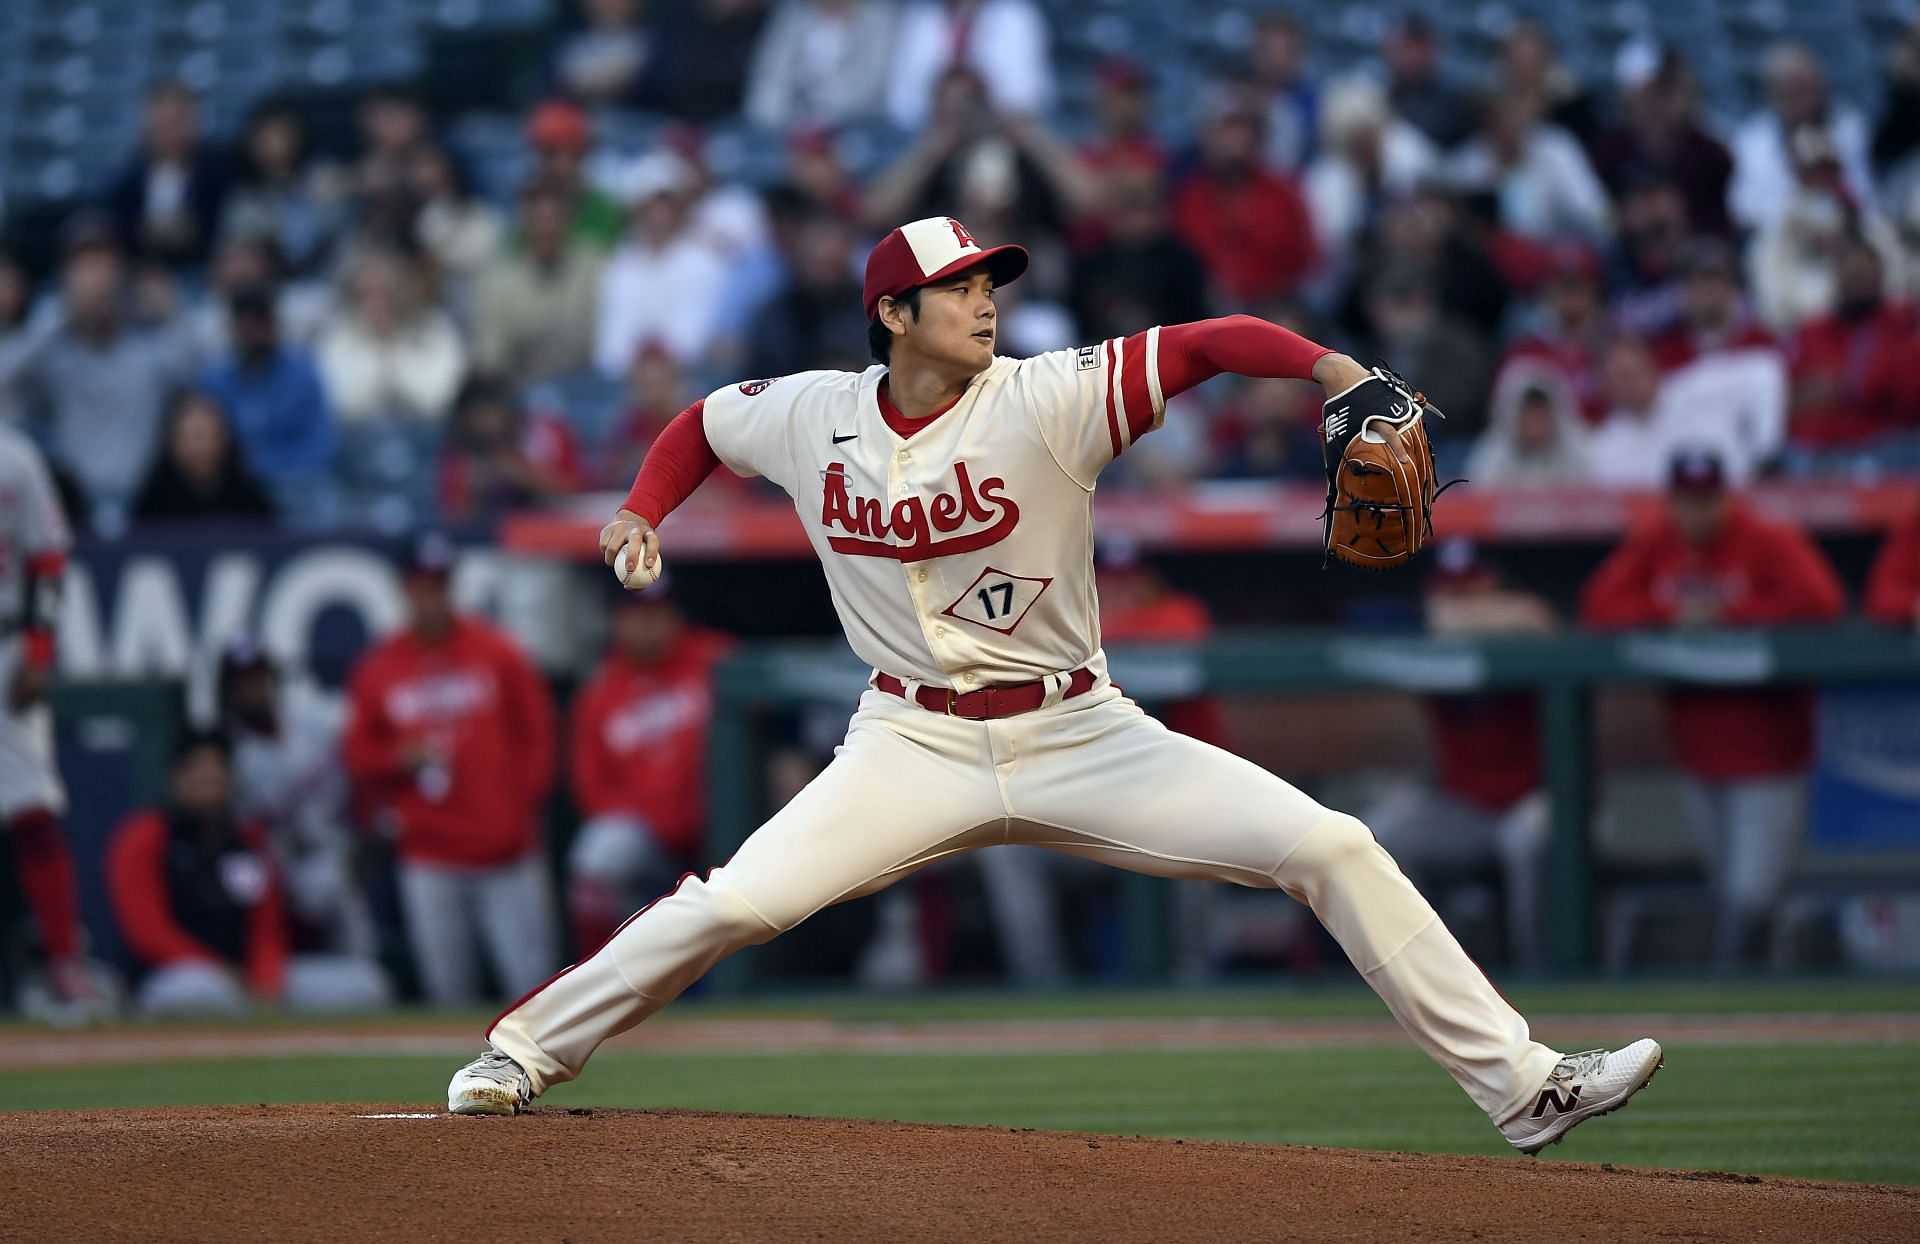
<point>997,600</point>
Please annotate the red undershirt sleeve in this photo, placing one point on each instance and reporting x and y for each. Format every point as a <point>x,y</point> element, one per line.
<point>1241,344</point>
<point>681,458</point>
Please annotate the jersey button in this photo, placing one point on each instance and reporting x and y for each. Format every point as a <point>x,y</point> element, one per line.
<point>967,678</point>
<point>903,455</point>
<point>923,576</point>
<point>939,632</point>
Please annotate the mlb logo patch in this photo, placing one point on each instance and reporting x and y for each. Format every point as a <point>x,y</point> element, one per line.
<point>1089,358</point>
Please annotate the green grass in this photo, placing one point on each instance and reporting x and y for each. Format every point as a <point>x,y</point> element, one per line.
<point>1839,1112</point>
<point>1830,1112</point>
<point>1337,1000</point>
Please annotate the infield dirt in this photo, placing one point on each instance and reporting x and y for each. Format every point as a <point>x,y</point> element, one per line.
<point>327,1173</point>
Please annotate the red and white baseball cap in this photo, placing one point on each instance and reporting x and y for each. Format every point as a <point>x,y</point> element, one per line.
<point>928,250</point>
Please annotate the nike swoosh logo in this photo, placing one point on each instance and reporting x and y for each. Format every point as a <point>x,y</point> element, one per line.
<point>839,439</point>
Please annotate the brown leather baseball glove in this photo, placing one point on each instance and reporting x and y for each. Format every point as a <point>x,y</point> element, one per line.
<point>1380,478</point>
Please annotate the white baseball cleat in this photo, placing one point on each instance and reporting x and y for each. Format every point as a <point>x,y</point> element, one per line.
<point>1583,1086</point>
<point>490,1084</point>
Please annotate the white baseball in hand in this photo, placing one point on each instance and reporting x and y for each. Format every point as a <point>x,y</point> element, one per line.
<point>634,578</point>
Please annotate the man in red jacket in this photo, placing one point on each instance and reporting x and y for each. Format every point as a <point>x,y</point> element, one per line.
<point>1485,803</point>
<point>639,740</point>
<point>450,733</point>
<point>1852,369</point>
<point>1712,561</point>
<point>201,905</point>
<point>1893,587</point>
<point>1249,226</point>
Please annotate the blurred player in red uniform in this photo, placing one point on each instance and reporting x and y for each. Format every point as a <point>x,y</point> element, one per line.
<point>450,731</point>
<point>1710,560</point>
<point>33,557</point>
<point>639,739</point>
<point>1485,802</point>
<point>1893,587</point>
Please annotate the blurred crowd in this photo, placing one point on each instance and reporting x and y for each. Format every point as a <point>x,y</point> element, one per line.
<point>1583,274</point>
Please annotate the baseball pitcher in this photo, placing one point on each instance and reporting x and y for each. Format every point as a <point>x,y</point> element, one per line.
<point>949,496</point>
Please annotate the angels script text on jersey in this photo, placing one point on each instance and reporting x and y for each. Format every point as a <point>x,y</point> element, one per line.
<point>912,523</point>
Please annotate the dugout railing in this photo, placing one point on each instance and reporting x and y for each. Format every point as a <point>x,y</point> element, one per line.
<point>1565,671</point>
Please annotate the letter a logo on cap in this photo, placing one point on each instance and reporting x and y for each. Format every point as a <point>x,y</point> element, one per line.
<point>927,250</point>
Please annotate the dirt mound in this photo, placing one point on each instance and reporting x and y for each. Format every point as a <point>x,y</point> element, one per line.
<point>329,1173</point>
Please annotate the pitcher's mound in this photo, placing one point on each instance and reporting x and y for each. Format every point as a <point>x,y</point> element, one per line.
<point>410,1173</point>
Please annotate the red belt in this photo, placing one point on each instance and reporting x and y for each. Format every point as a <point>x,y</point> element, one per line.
<point>988,702</point>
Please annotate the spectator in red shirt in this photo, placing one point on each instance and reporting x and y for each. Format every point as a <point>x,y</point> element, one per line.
<point>1893,587</point>
<point>1249,226</point>
<point>1852,369</point>
<point>450,733</point>
<point>201,906</point>
<point>501,457</point>
<point>1714,317</point>
<point>639,744</point>
<point>1712,561</point>
<point>1123,119</point>
<point>1484,805</point>
<point>1571,332</point>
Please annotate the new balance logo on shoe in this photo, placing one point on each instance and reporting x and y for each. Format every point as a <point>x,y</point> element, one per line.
<point>1560,1104</point>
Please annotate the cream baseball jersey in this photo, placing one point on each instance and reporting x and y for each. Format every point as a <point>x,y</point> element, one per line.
<point>961,555</point>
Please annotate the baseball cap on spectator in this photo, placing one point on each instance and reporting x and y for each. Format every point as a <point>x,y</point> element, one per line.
<point>1352,107</point>
<point>930,250</point>
<point>652,175</point>
<point>429,557</point>
<point>1636,63</point>
<point>1696,471</point>
<point>559,124</point>
<point>243,654</point>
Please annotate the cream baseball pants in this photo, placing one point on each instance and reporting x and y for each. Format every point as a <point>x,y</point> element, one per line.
<point>1093,776</point>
